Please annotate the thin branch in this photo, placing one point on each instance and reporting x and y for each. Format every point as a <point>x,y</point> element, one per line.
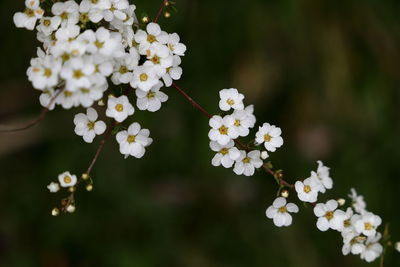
<point>194,103</point>
<point>164,3</point>
<point>41,116</point>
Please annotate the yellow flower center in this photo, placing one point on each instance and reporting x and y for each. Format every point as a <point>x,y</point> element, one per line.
<point>267,138</point>
<point>91,125</point>
<point>151,94</point>
<point>131,139</point>
<point>329,215</point>
<point>143,77</point>
<point>230,102</point>
<point>237,123</point>
<point>67,93</point>
<point>155,60</point>
<point>47,22</point>
<point>85,90</point>
<point>307,188</point>
<point>47,73</point>
<point>224,151</point>
<point>77,74</point>
<point>119,107</point>
<point>368,226</point>
<point>246,160</point>
<point>29,12</point>
<point>65,57</point>
<point>67,179</point>
<point>282,209</point>
<point>84,18</point>
<point>151,38</point>
<point>123,69</point>
<point>223,130</point>
<point>64,16</point>
<point>99,44</point>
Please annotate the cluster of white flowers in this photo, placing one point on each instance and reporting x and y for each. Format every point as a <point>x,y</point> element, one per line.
<point>356,224</point>
<point>226,129</point>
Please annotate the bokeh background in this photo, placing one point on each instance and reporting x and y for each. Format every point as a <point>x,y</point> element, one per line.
<point>326,72</point>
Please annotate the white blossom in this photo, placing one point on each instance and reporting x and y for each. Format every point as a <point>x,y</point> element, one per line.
<point>307,190</point>
<point>328,215</point>
<point>67,179</point>
<point>152,99</point>
<point>230,98</point>
<point>246,163</point>
<point>280,212</point>
<point>367,224</point>
<point>270,135</point>
<point>28,18</point>
<point>134,141</point>
<point>53,187</point>
<point>119,108</point>
<point>87,126</point>
<point>226,155</point>
<point>222,129</point>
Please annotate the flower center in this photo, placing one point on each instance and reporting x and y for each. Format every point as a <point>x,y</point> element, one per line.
<point>171,47</point>
<point>143,77</point>
<point>230,102</point>
<point>282,209</point>
<point>223,130</point>
<point>246,160</point>
<point>151,38</point>
<point>347,223</point>
<point>77,74</point>
<point>94,1</point>
<point>131,139</point>
<point>99,44</point>
<point>151,94</point>
<point>155,60</point>
<point>123,69</point>
<point>47,22</point>
<point>29,12</point>
<point>84,18</point>
<point>64,16</point>
<point>85,90</point>
<point>65,57</point>
<point>329,215</point>
<point>90,125</point>
<point>368,226</point>
<point>267,138</point>
<point>67,93</point>
<point>307,189</point>
<point>67,179</point>
<point>47,73</point>
<point>237,123</point>
<point>119,107</point>
<point>224,151</point>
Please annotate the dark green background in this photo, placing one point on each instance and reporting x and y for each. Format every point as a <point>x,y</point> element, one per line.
<point>326,72</point>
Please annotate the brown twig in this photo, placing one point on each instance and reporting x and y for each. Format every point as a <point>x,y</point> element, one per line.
<point>41,116</point>
<point>163,5</point>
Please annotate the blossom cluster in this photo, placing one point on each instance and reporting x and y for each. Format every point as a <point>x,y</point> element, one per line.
<point>226,129</point>
<point>95,53</point>
<point>358,226</point>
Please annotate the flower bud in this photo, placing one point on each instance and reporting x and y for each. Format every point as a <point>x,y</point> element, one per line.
<point>89,187</point>
<point>264,155</point>
<point>55,212</point>
<point>341,201</point>
<point>71,208</point>
<point>285,193</point>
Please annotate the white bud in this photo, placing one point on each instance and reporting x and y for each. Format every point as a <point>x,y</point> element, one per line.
<point>397,246</point>
<point>71,208</point>
<point>341,201</point>
<point>264,155</point>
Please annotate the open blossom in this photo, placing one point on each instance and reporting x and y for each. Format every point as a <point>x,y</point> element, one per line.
<point>246,163</point>
<point>152,99</point>
<point>77,73</point>
<point>119,108</point>
<point>222,129</point>
<point>226,155</point>
<point>68,12</point>
<point>270,136</point>
<point>174,72</point>
<point>134,141</point>
<point>244,121</point>
<point>322,177</point>
<point>152,34</point>
<point>230,98</point>
<point>44,71</point>
<point>328,215</point>
<point>373,249</point>
<point>67,179</point>
<point>87,126</point>
<point>28,18</point>
<point>53,187</point>
<point>48,25</point>
<point>307,190</point>
<point>280,212</point>
<point>367,224</point>
<point>144,78</point>
<point>175,46</point>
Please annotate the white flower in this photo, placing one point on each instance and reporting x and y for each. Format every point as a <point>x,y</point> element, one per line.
<point>134,141</point>
<point>246,163</point>
<point>353,243</point>
<point>67,179</point>
<point>28,18</point>
<point>152,99</point>
<point>322,177</point>
<point>46,98</point>
<point>87,126</point>
<point>307,190</point>
<point>116,10</point>
<point>230,98</point>
<point>358,202</point>
<point>270,135</point>
<point>43,72</point>
<point>174,72</point>
<point>87,96</point>
<point>373,249</point>
<point>226,155</point>
<point>243,122</point>
<point>159,59</point>
<point>104,42</point>
<point>367,224</point>
<point>77,73</point>
<point>48,25</point>
<point>397,246</point>
<point>123,68</point>
<point>328,215</point>
<point>119,108</point>
<point>222,129</point>
<point>68,99</point>
<point>279,212</point>
<point>144,78</point>
<point>153,34</point>
<point>175,46</point>
<point>68,12</point>
<point>53,187</point>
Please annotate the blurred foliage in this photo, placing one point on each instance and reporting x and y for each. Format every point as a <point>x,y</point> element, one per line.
<point>327,72</point>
